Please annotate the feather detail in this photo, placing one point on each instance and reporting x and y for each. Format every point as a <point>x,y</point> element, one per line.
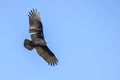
<point>38,41</point>
<point>48,56</point>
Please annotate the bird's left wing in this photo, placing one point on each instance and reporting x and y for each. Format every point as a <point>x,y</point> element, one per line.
<point>47,55</point>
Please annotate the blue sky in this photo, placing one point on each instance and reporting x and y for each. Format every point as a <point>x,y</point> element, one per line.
<point>83,34</point>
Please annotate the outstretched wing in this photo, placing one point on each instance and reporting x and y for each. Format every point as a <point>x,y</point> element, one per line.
<point>36,28</point>
<point>47,55</point>
<point>38,41</point>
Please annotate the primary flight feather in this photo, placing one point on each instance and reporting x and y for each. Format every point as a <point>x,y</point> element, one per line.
<point>38,42</point>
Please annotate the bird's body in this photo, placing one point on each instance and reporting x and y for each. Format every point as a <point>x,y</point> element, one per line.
<point>38,42</point>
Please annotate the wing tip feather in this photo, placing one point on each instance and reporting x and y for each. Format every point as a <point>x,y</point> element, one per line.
<point>34,12</point>
<point>53,63</point>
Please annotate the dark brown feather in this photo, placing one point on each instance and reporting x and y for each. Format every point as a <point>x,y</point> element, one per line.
<point>38,42</point>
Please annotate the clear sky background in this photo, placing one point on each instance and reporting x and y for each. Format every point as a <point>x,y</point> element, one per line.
<point>83,34</point>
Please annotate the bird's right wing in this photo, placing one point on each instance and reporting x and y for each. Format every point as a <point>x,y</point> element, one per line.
<point>36,28</point>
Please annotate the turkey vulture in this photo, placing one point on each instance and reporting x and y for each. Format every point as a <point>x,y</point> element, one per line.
<point>38,41</point>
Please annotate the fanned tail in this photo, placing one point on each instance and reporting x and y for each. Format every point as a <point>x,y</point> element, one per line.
<point>27,44</point>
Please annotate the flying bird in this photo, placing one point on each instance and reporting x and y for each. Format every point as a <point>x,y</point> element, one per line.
<point>37,39</point>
